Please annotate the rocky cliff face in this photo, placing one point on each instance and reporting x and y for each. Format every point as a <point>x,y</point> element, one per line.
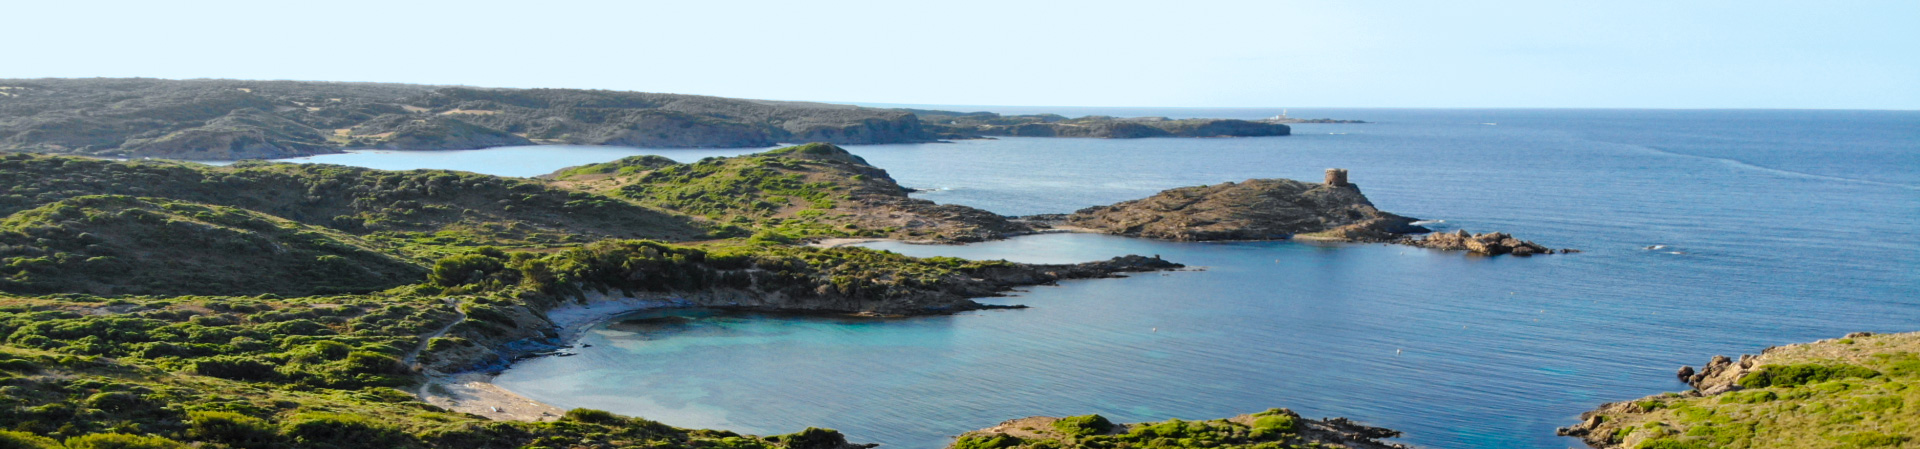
<point>1258,209</point>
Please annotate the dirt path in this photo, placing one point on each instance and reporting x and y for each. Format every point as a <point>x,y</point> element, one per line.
<point>414,355</point>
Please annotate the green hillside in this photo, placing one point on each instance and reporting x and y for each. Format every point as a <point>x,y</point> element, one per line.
<point>108,245</point>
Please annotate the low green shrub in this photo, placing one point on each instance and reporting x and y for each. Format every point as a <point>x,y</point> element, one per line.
<point>1802,374</point>
<point>995,442</point>
<point>121,441</point>
<point>22,440</point>
<point>1083,425</point>
<point>232,429</point>
<point>588,415</point>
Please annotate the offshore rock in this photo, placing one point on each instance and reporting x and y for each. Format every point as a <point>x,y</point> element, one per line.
<point>1489,244</point>
<point>1257,209</point>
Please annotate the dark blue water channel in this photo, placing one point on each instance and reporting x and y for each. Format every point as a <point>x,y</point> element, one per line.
<point>1777,226</point>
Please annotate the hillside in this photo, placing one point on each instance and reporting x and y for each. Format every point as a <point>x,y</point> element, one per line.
<point>236,119</point>
<point>107,245</point>
<point>412,211</point>
<point>240,119</point>
<point>308,373</point>
<point>1852,392</point>
<point>812,190</point>
<point>959,124</point>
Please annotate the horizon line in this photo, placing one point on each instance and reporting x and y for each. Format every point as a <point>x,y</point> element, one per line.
<point>899,105</point>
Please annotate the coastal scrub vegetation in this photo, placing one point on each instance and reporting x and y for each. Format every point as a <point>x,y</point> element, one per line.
<point>1845,393</point>
<point>805,191</point>
<point>270,305</point>
<point>236,119</point>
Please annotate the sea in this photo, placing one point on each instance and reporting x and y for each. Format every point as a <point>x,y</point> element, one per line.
<point>1703,232</point>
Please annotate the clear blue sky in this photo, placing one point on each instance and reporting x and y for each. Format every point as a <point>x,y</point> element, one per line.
<point>1659,54</point>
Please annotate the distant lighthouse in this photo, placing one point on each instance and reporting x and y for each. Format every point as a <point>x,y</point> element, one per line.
<point>1337,177</point>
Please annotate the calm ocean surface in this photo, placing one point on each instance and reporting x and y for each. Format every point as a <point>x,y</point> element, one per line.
<point>1779,226</point>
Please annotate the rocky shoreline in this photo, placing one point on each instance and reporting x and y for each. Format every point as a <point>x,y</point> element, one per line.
<point>1273,209</point>
<point>1276,428</point>
<point>1488,244</point>
<point>1723,382</point>
<point>542,327</point>
<point>460,377</point>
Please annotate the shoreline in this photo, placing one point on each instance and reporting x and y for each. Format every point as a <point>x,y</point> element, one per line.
<point>473,391</point>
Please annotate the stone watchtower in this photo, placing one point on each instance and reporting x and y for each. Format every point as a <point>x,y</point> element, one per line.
<point>1337,177</point>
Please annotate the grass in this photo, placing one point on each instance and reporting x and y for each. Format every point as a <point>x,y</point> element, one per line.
<point>1832,394</point>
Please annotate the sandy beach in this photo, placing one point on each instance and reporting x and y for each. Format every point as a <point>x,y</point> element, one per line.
<point>475,392</point>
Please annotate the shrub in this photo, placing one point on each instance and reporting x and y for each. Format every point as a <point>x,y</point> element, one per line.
<point>121,441</point>
<point>232,367</point>
<point>588,415</point>
<point>1083,425</point>
<point>1282,423</point>
<point>995,442</point>
<point>22,440</point>
<point>1669,443</point>
<point>1872,439</point>
<point>464,269</point>
<point>115,401</point>
<point>1802,374</point>
<point>812,438</point>
<point>330,430</point>
<point>232,429</point>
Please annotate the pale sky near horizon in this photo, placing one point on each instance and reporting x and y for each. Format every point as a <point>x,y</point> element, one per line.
<point>1622,54</point>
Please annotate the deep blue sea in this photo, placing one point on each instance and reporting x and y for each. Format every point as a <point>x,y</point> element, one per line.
<point>1775,227</point>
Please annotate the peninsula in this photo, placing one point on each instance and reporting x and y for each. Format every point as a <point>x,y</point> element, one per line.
<point>239,119</point>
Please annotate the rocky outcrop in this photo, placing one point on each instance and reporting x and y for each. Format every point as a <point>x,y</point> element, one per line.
<point>1488,244</point>
<point>1272,428</point>
<point>1634,423</point>
<point>1257,209</point>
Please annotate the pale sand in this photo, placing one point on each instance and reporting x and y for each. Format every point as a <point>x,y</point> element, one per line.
<point>839,242</point>
<point>475,393</point>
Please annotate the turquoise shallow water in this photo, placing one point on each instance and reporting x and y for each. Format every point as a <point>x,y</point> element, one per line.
<point>1780,227</point>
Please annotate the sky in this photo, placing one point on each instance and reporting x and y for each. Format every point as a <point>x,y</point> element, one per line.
<point>1415,54</point>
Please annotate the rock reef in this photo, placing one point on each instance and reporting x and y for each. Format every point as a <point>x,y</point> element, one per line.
<point>1488,244</point>
<point>1275,428</point>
